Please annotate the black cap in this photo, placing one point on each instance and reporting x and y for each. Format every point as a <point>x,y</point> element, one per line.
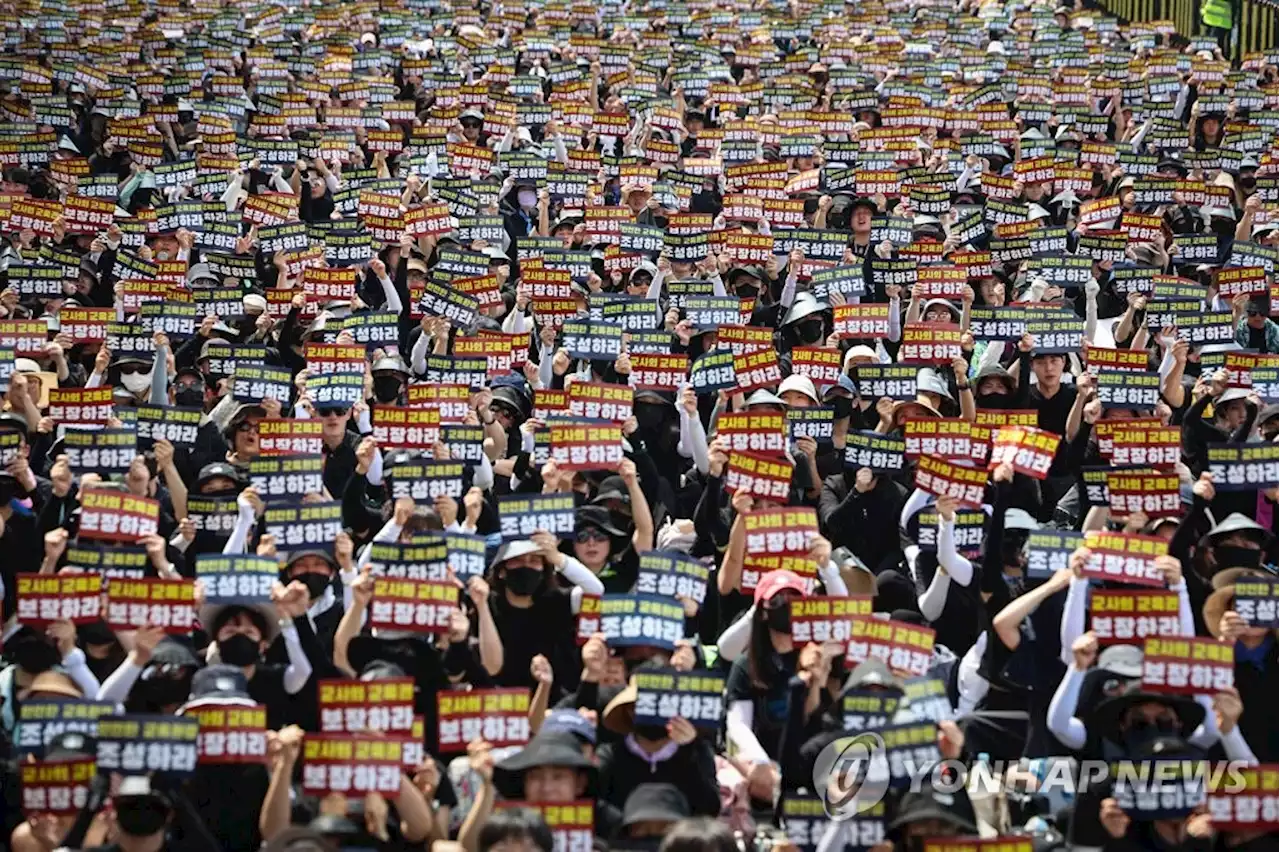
<point>216,469</point>
<point>655,802</point>
<point>219,682</point>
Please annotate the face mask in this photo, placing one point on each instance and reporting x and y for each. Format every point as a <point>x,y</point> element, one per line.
<point>523,581</point>
<point>649,417</point>
<point>315,583</point>
<point>651,732</point>
<point>386,389</point>
<point>141,818</point>
<point>745,291</point>
<point>136,382</point>
<point>162,255</point>
<point>239,650</point>
<point>995,400</point>
<point>810,331</point>
<point>192,397</point>
<point>526,199</point>
<point>1230,556</point>
<point>843,407</point>
<point>779,619</point>
<point>103,668</point>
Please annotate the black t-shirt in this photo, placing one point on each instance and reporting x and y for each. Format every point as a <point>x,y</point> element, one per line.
<point>545,628</point>
<point>1053,418</point>
<point>769,706</point>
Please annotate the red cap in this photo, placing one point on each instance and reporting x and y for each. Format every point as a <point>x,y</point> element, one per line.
<point>775,581</point>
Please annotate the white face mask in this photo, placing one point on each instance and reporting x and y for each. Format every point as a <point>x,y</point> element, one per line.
<point>162,255</point>
<point>136,382</point>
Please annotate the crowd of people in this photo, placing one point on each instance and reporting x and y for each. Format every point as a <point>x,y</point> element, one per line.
<point>551,425</point>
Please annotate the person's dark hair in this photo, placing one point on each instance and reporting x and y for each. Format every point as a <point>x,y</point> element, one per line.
<point>699,834</point>
<point>515,824</point>
<point>760,655</point>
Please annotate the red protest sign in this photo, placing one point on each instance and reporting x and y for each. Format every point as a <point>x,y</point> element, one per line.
<point>1146,446</point>
<point>1249,806</point>
<point>1125,558</point>
<point>600,401</point>
<point>406,428</point>
<point>452,401</point>
<point>744,338</point>
<point>351,764</point>
<point>348,706</point>
<point>781,532</point>
<point>1234,281</point>
<point>944,479</point>
<point>46,598</point>
<point>116,516</point>
<point>949,438</point>
<point>86,325</point>
<point>870,320</point>
<point>929,343</point>
<point>758,475</point>
<point>1028,449</point>
<point>230,733</point>
<point>425,220</point>
<point>327,358</point>
<point>418,606</point>
<point>652,371</point>
<point>820,364</point>
<point>586,446</point>
<point>1106,430</point>
<point>827,619</point>
<point>1156,494</point>
<point>81,406</point>
<point>279,436</point>
<point>1116,359</point>
<point>329,283</point>
<point>900,646</point>
<point>572,824</point>
<point>1128,615</point>
<point>1188,666</point>
<point>57,788</point>
<point>757,369</point>
<point>940,281</point>
<point>754,431</point>
<point>133,603</point>
<point>498,716</point>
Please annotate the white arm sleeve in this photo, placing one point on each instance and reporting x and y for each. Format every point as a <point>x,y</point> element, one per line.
<point>1186,623</point>
<point>374,476</point>
<point>917,501</point>
<point>732,643</point>
<point>418,355</point>
<point>934,598</point>
<point>393,298</point>
<point>829,574</point>
<point>740,734</point>
<point>483,477</point>
<point>960,569</point>
<point>117,685</point>
<point>1062,722</point>
<point>693,440</point>
<point>580,575</point>
<point>1073,616</point>
<point>77,669</point>
<point>895,320</point>
<point>240,534</point>
<point>299,670</point>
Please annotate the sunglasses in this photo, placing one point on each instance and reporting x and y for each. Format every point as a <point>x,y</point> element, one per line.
<point>590,534</point>
<point>332,412</point>
<point>131,369</point>
<point>473,125</point>
<point>247,426</point>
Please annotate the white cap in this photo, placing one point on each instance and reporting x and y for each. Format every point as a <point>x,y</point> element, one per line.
<point>860,351</point>
<point>800,384</point>
<point>996,47</point>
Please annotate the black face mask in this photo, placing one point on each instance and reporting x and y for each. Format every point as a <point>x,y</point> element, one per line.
<point>649,417</point>
<point>746,291</point>
<point>779,618</point>
<point>315,583</point>
<point>809,331</point>
<point>1141,732</point>
<point>1231,556</point>
<point>239,650</point>
<point>651,732</point>
<point>102,668</point>
<point>843,407</point>
<point>141,817</point>
<point>192,397</point>
<point>523,581</point>
<point>386,389</point>
<point>995,400</point>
